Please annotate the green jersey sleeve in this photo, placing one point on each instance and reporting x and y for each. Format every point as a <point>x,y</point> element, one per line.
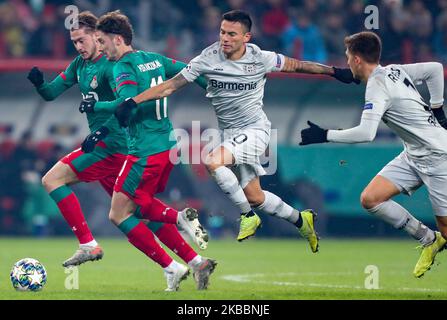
<point>126,80</point>
<point>64,81</point>
<point>109,106</point>
<point>126,86</point>
<point>173,67</point>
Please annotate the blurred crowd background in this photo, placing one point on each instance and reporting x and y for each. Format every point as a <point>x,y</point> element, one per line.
<point>35,134</point>
<point>412,30</point>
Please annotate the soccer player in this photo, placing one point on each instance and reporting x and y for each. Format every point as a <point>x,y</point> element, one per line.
<point>392,96</point>
<point>94,74</point>
<point>151,145</point>
<point>235,70</point>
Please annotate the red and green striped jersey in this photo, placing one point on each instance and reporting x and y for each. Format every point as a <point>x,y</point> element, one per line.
<point>150,130</point>
<point>95,79</point>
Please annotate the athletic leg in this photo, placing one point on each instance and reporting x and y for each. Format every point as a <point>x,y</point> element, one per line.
<point>376,199</point>
<point>273,205</point>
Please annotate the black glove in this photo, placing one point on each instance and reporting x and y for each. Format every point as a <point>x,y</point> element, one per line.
<point>440,116</point>
<point>124,111</point>
<point>313,134</point>
<point>87,105</point>
<point>344,75</point>
<point>92,139</point>
<point>36,77</point>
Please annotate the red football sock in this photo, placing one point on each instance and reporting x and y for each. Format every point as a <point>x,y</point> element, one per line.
<point>70,208</point>
<point>169,235</point>
<point>143,239</point>
<point>160,212</point>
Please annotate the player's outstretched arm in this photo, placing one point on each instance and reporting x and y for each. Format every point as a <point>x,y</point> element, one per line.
<point>124,110</point>
<point>48,91</point>
<point>297,66</point>
<point>292,65</point>
<point>174,67</point>
<point>51,90</point>
<point>162,90</point>
<point>364,132</point>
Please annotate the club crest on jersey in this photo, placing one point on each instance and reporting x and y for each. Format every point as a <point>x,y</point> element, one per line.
<point>94,83</point>
<point>368,106</point>
<point>250,68</point>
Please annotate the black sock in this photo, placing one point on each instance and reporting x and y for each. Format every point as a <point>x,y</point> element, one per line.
<point>248,214</point>
<point>299,222</point>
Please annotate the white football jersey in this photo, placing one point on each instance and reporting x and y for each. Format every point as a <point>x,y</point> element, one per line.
<point>392,95</point>
<point>236,88</point>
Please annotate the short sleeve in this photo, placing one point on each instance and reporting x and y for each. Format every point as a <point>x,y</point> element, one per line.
<point>273,62</point>
<point>172,66</point>
<point>194,69</point>
<point>376,98</point>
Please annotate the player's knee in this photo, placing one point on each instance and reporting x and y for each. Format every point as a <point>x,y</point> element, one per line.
<point>255,199</point>
<point>212,163</point>
<point>48,182</point>
<point>369,200</point>
<point>116,217</point>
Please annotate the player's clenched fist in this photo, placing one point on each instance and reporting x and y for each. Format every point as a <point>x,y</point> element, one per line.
<point>344,75</point>
<point>35,76</point>
<point>124,111</point>
<point>87,105</point>
<point>93,138</point>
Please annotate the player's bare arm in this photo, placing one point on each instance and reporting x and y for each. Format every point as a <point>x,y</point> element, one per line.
<point>164,89</point>
<point>293,65</point>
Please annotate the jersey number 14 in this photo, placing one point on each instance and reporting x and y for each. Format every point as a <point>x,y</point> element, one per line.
<point>154,83</point>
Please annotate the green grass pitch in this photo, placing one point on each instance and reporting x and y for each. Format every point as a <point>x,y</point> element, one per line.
<point>255,269</point>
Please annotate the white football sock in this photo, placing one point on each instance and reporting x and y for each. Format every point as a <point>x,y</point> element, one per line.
<point>274,206</point>
<point>173,266</point>
<point>92,243</point>
<point>397,216</point>
<point>195,262</point>
<point>229,184</point>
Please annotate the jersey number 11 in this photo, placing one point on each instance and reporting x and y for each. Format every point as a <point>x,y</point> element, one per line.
<point>157,102</point>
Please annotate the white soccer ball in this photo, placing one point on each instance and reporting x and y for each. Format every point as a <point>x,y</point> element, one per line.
<point>28,275</point>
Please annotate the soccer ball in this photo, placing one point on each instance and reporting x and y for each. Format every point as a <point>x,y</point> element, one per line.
<point>28,275</point>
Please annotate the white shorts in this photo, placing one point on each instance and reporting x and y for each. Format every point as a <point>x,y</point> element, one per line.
<point>247,146</point>
<point>408,176</point>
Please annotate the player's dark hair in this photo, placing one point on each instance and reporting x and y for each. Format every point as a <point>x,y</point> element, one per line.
<point>87,21</point>
<point>238,16</point>
<point>117,23</point>
<point>366,44</point>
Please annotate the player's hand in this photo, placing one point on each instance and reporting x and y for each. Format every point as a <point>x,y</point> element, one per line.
<point>87,105</point>
<point>313,134</point>
<point>124,111</point>
<point>35,76</point>
<point>89,143</point>
<point>344,75</point>
<point>440,116</point>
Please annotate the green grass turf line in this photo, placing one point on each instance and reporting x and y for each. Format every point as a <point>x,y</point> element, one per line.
<point>255,269</point>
